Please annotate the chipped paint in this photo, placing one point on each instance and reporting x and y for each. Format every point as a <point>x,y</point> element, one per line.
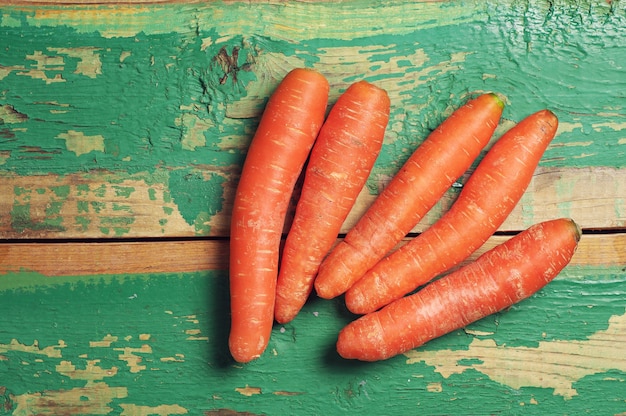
<point>161,410</point>
<point>157,144</point>
<point>106,342</point>
<point>142,345</point>
<point>131,20</point>
<point>44,64</point>
<point>194,335</point>
<point>89,63</point>
<point>248,391</point>
<point>80,144</point>
<point>165,115</point>
<point>617,126</point>
<point>194,129</point>
<point>434,387</point>
<point>91,372</point>
<point>51,351</point>
<point>92,399</point>
<point>113,207</point>
<point>557,365</point>
<point>133,360</point>
<point>9,115</point>
<point>179,358</point>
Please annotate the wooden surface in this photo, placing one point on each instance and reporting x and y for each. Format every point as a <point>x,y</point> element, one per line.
<point>123,126</point>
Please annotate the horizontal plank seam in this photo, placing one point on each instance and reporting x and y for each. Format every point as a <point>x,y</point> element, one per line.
<point>101,240</point>
<point>72,259</point>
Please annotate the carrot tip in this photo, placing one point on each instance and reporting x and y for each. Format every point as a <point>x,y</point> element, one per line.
<point>556,119</point>
<point>285,317</point>
<point>578,233</point>
<point>498,100</point>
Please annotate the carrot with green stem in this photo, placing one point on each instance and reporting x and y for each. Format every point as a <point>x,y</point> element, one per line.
<point>439,161</point>
<point>499,278</point>
<point>340,163</point>
<point>487,199</point>
<point>287,130</point>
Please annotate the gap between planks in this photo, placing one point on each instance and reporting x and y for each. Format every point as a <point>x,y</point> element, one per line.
<point>172,256</point>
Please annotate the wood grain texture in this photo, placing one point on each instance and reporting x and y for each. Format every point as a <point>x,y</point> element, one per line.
<point>158,152</point>
<point>81,258</point>
<point>125,122</point>
<point>81,206</point>
<point>155,343</point>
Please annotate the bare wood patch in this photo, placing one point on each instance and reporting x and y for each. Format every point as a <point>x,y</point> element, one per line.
<point>92,399</point>
<point>81,206</point>
<point>130,409</point>
<point>51,351</point>
<point>248,390</point>
<point>552,364</point>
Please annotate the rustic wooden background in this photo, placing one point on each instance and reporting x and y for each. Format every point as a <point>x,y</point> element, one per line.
<point>123,126</point>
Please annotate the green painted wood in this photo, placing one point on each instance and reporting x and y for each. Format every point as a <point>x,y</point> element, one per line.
<point>156,344</point>
<point>135,119</point>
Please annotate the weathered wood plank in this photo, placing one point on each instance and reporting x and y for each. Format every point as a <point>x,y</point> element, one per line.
<point>199,203</point>
<point>80,258</point>
<point>115,205</point>
<point>171,122</point>
<point>132,119</point>
<point>156,344</point>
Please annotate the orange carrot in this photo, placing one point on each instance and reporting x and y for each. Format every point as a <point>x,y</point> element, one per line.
<point>486,200</point>
<point>498,279</point>
<point>440,160</point>
<point>289,125</point>
<point>340,163</point>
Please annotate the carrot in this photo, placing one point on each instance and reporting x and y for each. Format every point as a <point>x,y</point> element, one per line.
<point>486,200</point>
<point>287,130</point>
<point>440,160</point>
<point>498,279</point>
<point>340,163</point>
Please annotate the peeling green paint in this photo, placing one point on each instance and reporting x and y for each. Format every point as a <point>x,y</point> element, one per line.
<point>121,231</point>
<point>82,189</point>
<point>20,217</point>
<point>153,95</point>
<point>19,191</point>
<point>82,206</point>
<point>158,99</point>
<point>61,191</point>
<point>121,207</point>
<point>197,197</point>
<point>98,206</point>
<point>135,331</point>
<point>123,191</point>
<point>179,111</point>
<point>82,222</point>
<point>54,208</point>
<point>100,191</point>
<point>152,194</point>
